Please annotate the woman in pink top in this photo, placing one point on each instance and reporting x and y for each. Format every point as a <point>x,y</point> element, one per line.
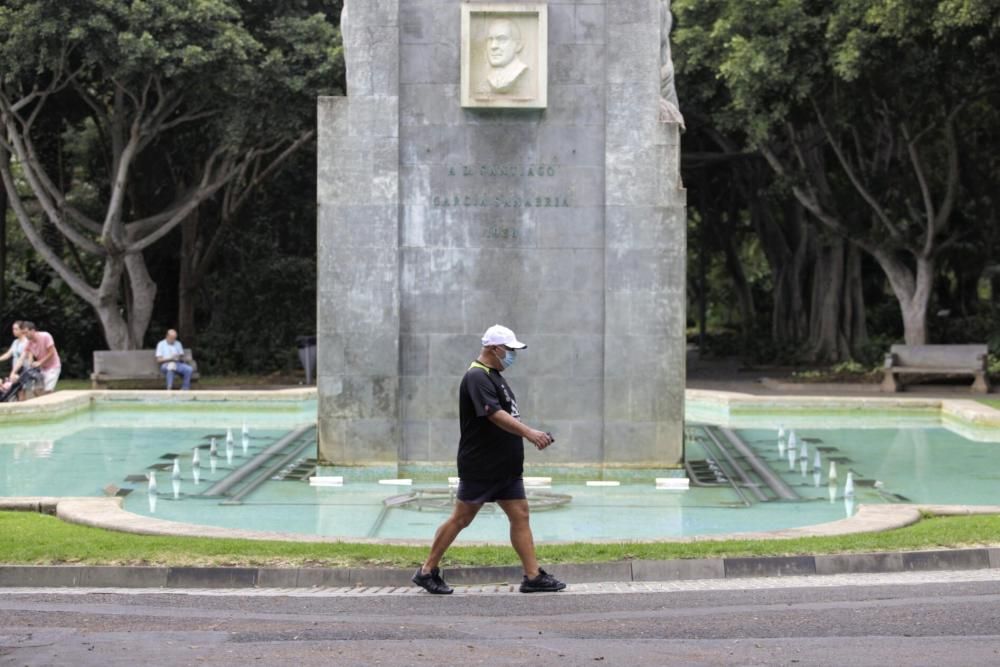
<point>44,355</point>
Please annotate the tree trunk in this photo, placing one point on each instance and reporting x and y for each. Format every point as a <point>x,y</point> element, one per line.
<point>109,308</point>
<point>966,291</point>
<point>912,290</point>
<point>188,279</point>
<point>741,285</point>
<point>854,311</point>
<point>837,325</point>
<point>786,241</point>
<point>3,238</point>
<point>826,338</point>
<point>703,290</point>
<point>142,297</point>
<point>702,266</point>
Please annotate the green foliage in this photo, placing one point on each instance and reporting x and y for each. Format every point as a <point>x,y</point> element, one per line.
<point>35,293</point>
<point>981,327</point>
<point>858,106</point>
<point>770,58</point>
<point>843,371</point>
<point>257,313</point>
<point>872,353</point>
<point>46,540</point>
<point>262,293</point>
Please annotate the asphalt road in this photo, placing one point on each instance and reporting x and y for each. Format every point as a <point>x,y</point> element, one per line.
<point>921,619</point>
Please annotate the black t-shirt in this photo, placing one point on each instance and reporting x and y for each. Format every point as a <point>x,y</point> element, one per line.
<point>486,451</point>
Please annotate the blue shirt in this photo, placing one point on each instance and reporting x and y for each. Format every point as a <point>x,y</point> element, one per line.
<point>16,350</point>
<point>165,350</point>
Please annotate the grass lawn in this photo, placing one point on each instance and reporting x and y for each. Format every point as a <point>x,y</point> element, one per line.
<point>206,382</point>
<point>45,540</point>
<point>992,402</point>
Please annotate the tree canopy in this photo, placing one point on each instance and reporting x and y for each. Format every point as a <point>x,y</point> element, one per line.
<point>863,109</point>
<point>135,94</point>
<point>840,157</point>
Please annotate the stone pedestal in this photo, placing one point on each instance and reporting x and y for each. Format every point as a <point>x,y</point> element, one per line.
<point>565,223</point>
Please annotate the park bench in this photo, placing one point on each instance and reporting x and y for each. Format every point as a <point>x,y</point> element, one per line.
<point>936,360</point>
<point>131,365</point>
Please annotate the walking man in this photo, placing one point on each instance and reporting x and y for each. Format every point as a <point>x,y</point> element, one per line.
<point>491,463</point>
<point>170,356</point>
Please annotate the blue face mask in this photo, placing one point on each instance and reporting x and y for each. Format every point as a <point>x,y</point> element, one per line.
<point>508,359</point>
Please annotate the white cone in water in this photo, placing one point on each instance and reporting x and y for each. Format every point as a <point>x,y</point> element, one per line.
<point>832,491</point>
<point>229,435</point>
<point>152,503</point>
<point>196,474</point>
<point>781,432</point>
<point>151,476</point>
<point>791,459</point>
<point>804,452</point>
<point>213,461</point>
<point>849,506</point>
<point>229,453</point>
<point>849,486</point>
<point>817,462</point>
<point>176,472</point>
<point>816,477</point>
<point>176,484</point>
<point>781,448</point>
<point>792,440</point>
<point>833,471</point>
<point>804,467</point>
<point>213,448</point>
<point>196,459</point>
<point>246,431</point>
<point>246,444</point>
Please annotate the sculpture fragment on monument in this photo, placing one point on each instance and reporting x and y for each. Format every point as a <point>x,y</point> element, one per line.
<point>504,55</point>
<point>503,47</point>
<point>670,111</point>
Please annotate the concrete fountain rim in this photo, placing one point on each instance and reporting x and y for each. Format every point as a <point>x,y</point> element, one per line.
<point>108,513</point>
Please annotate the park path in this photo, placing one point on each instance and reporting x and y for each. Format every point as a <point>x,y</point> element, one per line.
<point>929,618</point>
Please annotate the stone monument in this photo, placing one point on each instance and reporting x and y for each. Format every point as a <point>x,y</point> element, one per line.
<point>502,163</point>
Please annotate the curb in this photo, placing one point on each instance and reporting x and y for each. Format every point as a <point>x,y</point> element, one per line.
<point>840,387</point>
<point>86,576</point>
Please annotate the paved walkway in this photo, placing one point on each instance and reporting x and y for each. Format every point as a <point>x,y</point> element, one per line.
<point>731,376</point>
<point>934,619</point>
<point>600,588</point>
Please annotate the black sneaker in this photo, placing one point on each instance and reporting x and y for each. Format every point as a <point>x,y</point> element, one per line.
<point>432,583</point>
<point>543,583</point>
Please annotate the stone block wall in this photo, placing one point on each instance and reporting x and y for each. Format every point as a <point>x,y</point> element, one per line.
<point>566,224</point>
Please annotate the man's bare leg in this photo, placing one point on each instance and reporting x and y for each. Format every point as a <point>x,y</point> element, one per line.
<point>461,516</point>
<point>520,534</point>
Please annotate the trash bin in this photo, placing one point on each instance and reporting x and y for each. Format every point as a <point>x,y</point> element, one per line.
<point>307,355</point>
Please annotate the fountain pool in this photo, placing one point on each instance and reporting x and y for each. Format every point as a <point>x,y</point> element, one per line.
<point>891,456</point>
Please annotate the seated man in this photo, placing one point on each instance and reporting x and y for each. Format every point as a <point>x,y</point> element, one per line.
<point>170,356</point>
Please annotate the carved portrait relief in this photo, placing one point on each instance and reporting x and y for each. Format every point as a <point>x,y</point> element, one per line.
<point>504,55</point>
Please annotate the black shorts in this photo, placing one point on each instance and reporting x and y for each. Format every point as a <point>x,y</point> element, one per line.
<point>477,492</point>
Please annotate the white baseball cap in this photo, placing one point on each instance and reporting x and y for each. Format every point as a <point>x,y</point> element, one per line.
<point>500,335</point>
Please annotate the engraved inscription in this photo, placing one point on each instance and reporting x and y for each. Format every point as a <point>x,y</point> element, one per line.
<point>530,195</point>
